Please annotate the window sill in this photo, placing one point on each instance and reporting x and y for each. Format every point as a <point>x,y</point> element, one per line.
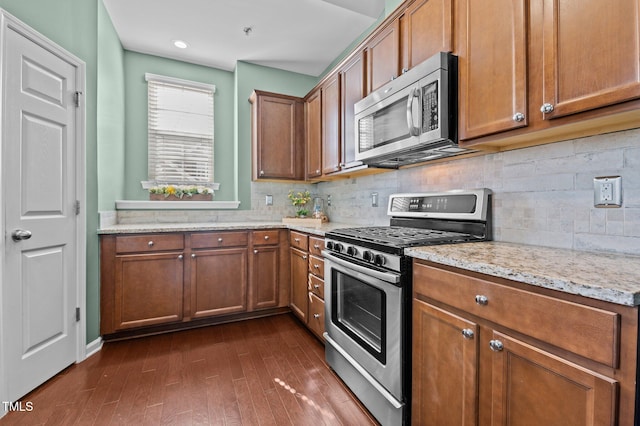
<point>176,205</point>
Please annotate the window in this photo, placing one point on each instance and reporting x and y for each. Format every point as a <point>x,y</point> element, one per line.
<point>180,132</point>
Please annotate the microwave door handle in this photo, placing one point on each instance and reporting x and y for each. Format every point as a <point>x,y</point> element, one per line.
<point>413,130</point>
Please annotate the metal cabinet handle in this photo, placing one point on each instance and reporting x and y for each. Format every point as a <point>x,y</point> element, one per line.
<point>266,237</point>
<point>220,239</point>
<point>193,255</point>
<point>482,300</point>
<point>404,70</point>
<point>518,117</point>
<point>20,234</point>
<point>316,266</point>
<point>316,286</point>
<point>297,240</point>
<point>255,251</point>
<point>317,247</point>
<point>150,244</point>
<point>468,333</point>
<point>546,108</point>
<point>318,171</point>
<point>261,172</point>
<point>180,257</point>
<point>316,316</point>
<point>496,345</point>
<point>304,257</point>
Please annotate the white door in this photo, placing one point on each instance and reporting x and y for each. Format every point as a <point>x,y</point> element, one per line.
<point>40,282</point>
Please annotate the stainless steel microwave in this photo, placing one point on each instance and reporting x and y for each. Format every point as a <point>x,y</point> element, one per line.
<point>412,118</point>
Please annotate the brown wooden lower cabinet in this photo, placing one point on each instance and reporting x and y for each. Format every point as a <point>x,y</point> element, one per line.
<point>159,282</point>
<point>468,370</point>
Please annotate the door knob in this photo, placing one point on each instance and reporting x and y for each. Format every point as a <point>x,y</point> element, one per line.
<point>20,234</point>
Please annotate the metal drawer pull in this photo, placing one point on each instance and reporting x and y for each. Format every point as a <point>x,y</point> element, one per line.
<point>266,237</point>
<point>220,239</point>
<point>316,286</point>
<point>180,257</point>
<point>255,251</point>
<point>317,247</point>
<point>467,333</point>
<point>304,257</point>
<point>297,240</point>
<point>518,117</point>
<point>482,300</point>
<point>193,255</point>
<point>316,316</point>
<point>546,108</point>
<point>315,265</point>
<point>496,345</point>
<point>150,243</point>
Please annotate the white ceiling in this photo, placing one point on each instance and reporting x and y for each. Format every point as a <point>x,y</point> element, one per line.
<point>302,36</point>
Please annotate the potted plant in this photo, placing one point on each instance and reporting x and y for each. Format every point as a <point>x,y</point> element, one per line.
<point>180,193</point>
<point>299,201</point>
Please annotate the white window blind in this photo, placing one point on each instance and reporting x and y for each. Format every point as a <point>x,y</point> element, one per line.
<point>180,131</point>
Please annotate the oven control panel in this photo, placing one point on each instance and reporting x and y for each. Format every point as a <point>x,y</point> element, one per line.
<point>471,204</point>
<point>364,254</point>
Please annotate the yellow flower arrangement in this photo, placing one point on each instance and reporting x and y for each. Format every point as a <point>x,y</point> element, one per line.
<point>299,200</point>
<point>180,191</point>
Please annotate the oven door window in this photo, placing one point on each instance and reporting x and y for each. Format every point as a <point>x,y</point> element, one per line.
<point>359,310</point>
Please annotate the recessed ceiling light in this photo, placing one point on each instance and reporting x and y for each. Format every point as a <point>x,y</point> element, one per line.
<point>180,44</point>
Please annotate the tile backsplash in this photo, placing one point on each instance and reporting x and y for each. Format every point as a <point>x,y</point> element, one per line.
<point>542,195</point>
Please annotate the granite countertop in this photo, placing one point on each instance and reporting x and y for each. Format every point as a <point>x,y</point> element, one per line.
<point>141,228</point>
<point>603,276</point>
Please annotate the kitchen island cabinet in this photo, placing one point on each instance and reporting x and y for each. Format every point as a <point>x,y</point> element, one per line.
<point>494,351</point>
<point>152,283</point>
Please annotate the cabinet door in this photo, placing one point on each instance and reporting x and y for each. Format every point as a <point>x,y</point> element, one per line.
<point>352,89</point>
<point>218,282</point>
<point>533,387</point>
<point>445,367</point>
<point>299,304</point>
<point>148,289</point>
<point>265,277</point>
<point>591,54</point>
<point>316,315</point>
<point>383,56</point>
<point>429,26</point>
<point>331,125</point>
<point>314,135</point>
<point>278,137</point>
<point>492,61</point>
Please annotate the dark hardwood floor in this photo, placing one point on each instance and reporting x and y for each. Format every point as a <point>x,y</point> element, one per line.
<point>267,371</point>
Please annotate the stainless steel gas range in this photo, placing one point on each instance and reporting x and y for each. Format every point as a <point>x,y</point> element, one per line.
<point>368,292</point>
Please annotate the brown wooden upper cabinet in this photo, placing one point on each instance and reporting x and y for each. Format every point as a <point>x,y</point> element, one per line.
<point>553,64</point>
<point>352,89</point>
<point>427,28</point>
<point>331,124</point>
<point>278,140</point>
<point>313,106</point>
<point>383,56</point>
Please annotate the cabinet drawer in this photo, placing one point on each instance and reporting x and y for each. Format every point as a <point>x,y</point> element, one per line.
<point>219,239</point>
<point>266,237</point>
<point>316,286</point>
<point>316,266</point>
<point>298,240</point>
<point>149,243</point>
<point>316,245</point>
<point>586,331</point>
<point>316,315</point>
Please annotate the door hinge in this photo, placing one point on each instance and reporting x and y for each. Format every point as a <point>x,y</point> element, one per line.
<point>77,314</point>
<point>76,206</point>
<point>76,98</point>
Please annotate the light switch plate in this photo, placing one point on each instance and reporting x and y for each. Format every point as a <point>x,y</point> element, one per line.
<point>607,191</point>
<point>268,200</point>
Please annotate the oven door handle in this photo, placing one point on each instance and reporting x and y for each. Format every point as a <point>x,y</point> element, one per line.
<point>384,276</point>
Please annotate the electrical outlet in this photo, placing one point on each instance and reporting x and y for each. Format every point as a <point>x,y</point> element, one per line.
<point>268,200</point>
<point>328,200</point>
<point>607,191</point>
<point>374,199</point>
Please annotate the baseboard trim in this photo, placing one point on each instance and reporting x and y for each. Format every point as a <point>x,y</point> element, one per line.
<point>94,347</point>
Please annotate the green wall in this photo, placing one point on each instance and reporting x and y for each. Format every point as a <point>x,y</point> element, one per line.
<point>111,113</point>
<point>72,24</point>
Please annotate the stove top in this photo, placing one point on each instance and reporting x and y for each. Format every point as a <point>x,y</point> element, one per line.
<point>400,236</point>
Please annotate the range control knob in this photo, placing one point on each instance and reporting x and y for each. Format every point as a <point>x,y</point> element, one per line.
<point>379,260</point>
<point>351,251</point>
<point>338,247</point>
<point>329,245</point>
<point>368,256</point>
